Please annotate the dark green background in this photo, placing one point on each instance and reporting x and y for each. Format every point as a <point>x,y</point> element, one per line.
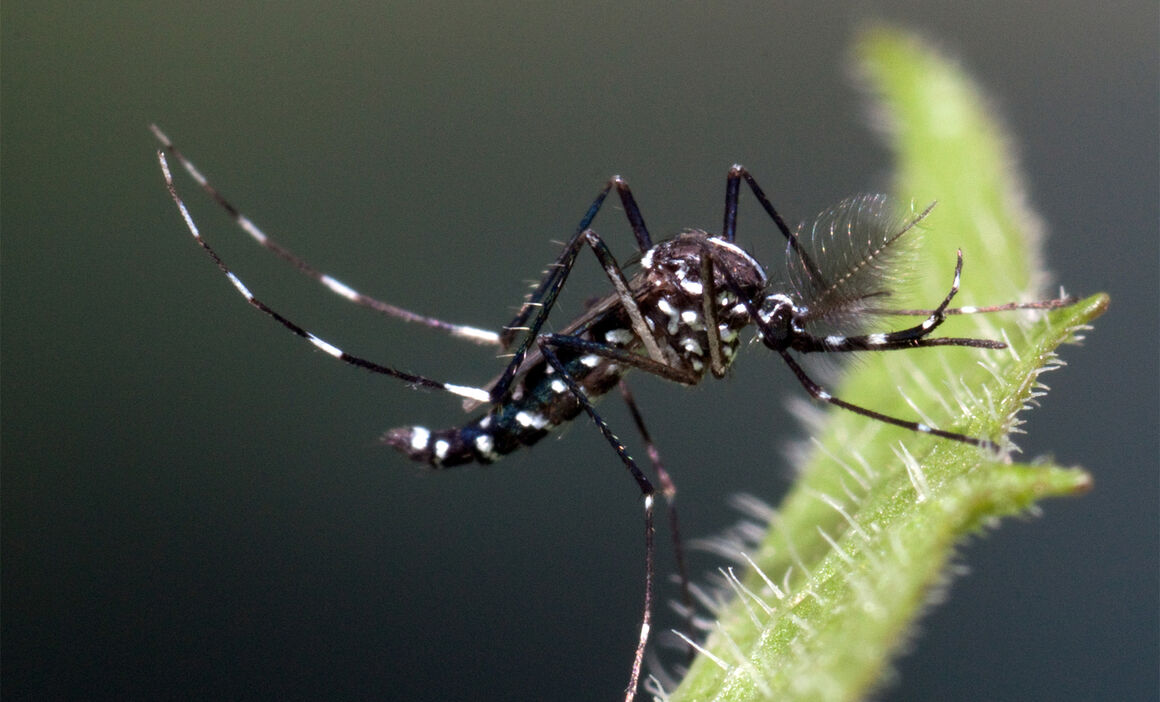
<point>193,502</point>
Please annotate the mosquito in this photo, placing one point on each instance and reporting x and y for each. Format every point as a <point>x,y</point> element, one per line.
<point>679,316</point>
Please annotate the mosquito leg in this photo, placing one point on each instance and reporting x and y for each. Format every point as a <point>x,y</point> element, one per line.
<point>643,241</point>
<point>717,364</point>
<point>647,492</point>
<point>560,267</point>
<point>732,188</point>
<point>902,339</point>
<point>478,394</point>
<point>905,338</point>
<point>541,302</point>
<point>1037,305</point>
<point>808,343</point>
<point>621,356</point>
<point>818,393</point>
<point>632,211</point>
<point>669,490</point>
<point>555,282</point>
<point>479,336</point>
<point>626,297</point>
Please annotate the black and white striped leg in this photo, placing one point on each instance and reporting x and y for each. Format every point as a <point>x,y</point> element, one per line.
<point>818,393</point>
<point>911,337</point>
<point>1052,304</point>
<point>906,338</point>
<point>477,394</point>
<point>938,315</point>
<point>807,343</point>
<point>473,334</point>
<point>669,490</point>
<point>917,336</point>
<point>648,493</point>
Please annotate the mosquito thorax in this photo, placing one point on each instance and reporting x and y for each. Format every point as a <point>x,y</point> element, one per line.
<point>673,295</point>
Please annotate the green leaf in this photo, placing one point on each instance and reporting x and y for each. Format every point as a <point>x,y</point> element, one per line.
<point>870,524</point>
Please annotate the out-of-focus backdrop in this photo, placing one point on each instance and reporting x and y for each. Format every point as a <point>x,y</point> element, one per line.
<point>194,504</point>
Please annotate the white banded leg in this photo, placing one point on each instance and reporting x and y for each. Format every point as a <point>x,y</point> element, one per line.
<point>1052,304</point>
<point>473,334</point>
<point>669,491</point>
<point>473,393</point>
<point>818,393</point>
<point>648,493</point>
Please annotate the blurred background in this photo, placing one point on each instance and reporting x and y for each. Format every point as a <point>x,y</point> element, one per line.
<point>194,504</point>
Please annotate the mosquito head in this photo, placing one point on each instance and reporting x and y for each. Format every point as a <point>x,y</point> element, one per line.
<point>776,325</point>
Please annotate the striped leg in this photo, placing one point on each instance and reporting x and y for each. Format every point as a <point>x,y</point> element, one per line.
<point>782,340</point>
<point>1052,304</point>
<point>472,393</point>
<point>903,338</point>
<point>473,334</point>
<point>917,336</point>
<point>669,490</point>
<point>818,393</point>
<point>648,493</point>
